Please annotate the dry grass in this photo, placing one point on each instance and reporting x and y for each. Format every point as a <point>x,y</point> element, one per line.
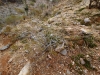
<point>20,11</point>
<point>13,19</point>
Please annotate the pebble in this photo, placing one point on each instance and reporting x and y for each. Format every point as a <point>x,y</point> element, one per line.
<point>97,48</point>
<point>87,20</point>
<point>85,71</point>
<point>87,56</point>
<point>73,62</point>
<point>26,51</point>
<point>82,61</point>
<point>68,72</point>
<point>10,60</point>
<point>64,52</point>
<point>49,57</point>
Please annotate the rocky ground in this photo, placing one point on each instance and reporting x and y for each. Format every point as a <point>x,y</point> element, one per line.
<point>65,43</point>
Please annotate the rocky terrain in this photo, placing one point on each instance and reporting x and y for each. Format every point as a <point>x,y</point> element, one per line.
<point>63,39</point>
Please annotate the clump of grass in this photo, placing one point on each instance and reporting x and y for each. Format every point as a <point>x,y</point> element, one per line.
<point>27,46</point>
<point>80,9</point>
<point>42,6</point>
<point>88,14</point>
<point>35,12</point>
<point>87,64</point>
<point>20,11</point>
<point>51,38</point>
<point>56,12</point>
<point>24,41</point>
<point>89,41</point>
<point>98,15</point>
<point>77,1</point>
<point>14,48</point>
<point>77,58</point>
<point>13,19</point>
<point>75,38</point>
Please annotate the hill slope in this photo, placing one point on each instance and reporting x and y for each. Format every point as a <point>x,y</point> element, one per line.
<point>64,42</point>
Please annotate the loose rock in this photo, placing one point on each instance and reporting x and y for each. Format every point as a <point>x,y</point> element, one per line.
<point>64,52</point>
<point>4,47</point>
<point>87,20</point>
<point>25,70</point>
<point>82,61</point>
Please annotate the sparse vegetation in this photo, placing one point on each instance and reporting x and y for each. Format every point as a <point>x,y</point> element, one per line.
<point>64,32</point>
<point>77,61</point>
<point>89,40</point>
<point>24,41</point>
<point>35,12</point>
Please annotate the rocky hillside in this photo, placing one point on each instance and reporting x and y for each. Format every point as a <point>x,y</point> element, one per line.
<point>63,39</point>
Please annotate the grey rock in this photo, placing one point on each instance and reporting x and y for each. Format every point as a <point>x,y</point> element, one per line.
<point>68,72</point>
<point>87,20</point>
<point>64,52</point>
<point>4,47</point>
<point>85,71</point>
<point>26,69</point>
<point>60,48</point>
<point>26,51</point>
<point>82,61</point>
